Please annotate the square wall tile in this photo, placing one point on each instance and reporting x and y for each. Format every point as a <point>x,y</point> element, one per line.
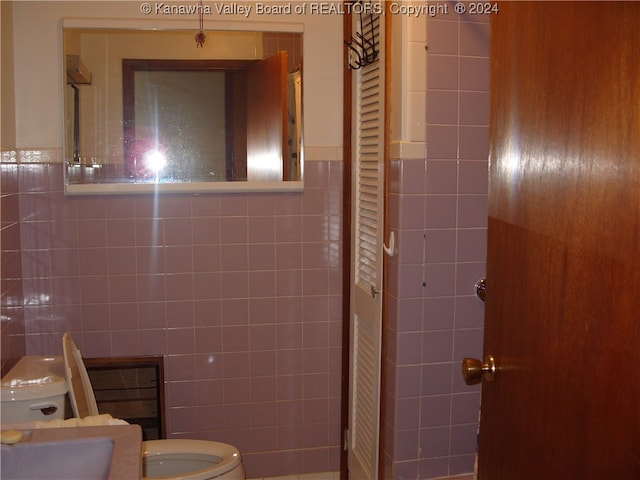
<point>442,36</point>
<point>474,74</point>
<point>474,39</point>
<point>442,72</point>
<point>442,108</point>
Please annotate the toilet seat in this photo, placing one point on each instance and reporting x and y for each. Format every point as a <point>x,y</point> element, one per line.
<point>178,458</point>
<point>81,397</point>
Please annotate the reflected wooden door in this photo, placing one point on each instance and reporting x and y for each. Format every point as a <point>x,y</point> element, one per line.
<point>563,269</point>
<point>267,119</point>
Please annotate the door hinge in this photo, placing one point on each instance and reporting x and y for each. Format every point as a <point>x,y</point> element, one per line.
<point>345,440</point>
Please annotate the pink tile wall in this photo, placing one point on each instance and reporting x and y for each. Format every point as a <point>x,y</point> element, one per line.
<point>11,311</point>
<point>242,293</point>
<point>438,207</point>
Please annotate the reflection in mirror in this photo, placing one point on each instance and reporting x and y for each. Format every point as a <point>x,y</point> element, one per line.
<point>187,133</point>
<point>149,108</point>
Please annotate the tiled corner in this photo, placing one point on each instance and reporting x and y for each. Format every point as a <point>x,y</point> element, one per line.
<point>438,208</point>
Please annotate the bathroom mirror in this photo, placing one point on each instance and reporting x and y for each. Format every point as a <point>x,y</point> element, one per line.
<point>149,110</point>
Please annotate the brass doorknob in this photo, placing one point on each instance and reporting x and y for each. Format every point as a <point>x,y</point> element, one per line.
<point>473,370</point>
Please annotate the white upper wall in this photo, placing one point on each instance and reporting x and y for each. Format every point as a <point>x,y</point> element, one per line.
<point>38,64</point>
<point>7,115</point>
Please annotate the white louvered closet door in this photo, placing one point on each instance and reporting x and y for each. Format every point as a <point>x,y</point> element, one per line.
<point>366,269</point>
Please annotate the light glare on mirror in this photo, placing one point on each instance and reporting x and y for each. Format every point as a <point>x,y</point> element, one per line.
<point>155,160</point>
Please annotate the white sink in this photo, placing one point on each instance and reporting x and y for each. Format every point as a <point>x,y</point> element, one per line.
<point>87,458</point>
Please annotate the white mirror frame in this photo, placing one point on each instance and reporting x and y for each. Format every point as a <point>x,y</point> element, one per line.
<point>187,187</point>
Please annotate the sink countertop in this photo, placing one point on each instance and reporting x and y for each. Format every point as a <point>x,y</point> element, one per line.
<point>126,461</point>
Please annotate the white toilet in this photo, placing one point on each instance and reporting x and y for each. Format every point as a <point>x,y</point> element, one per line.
<point>167,459</point>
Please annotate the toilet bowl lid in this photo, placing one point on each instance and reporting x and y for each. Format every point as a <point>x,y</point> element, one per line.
<point>227,457</point>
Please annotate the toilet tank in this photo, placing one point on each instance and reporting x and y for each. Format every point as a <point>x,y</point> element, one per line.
<point>34,389</point>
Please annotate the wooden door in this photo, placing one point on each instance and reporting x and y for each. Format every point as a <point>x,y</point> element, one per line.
<point>267,119</point>
<point>563,268</point>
